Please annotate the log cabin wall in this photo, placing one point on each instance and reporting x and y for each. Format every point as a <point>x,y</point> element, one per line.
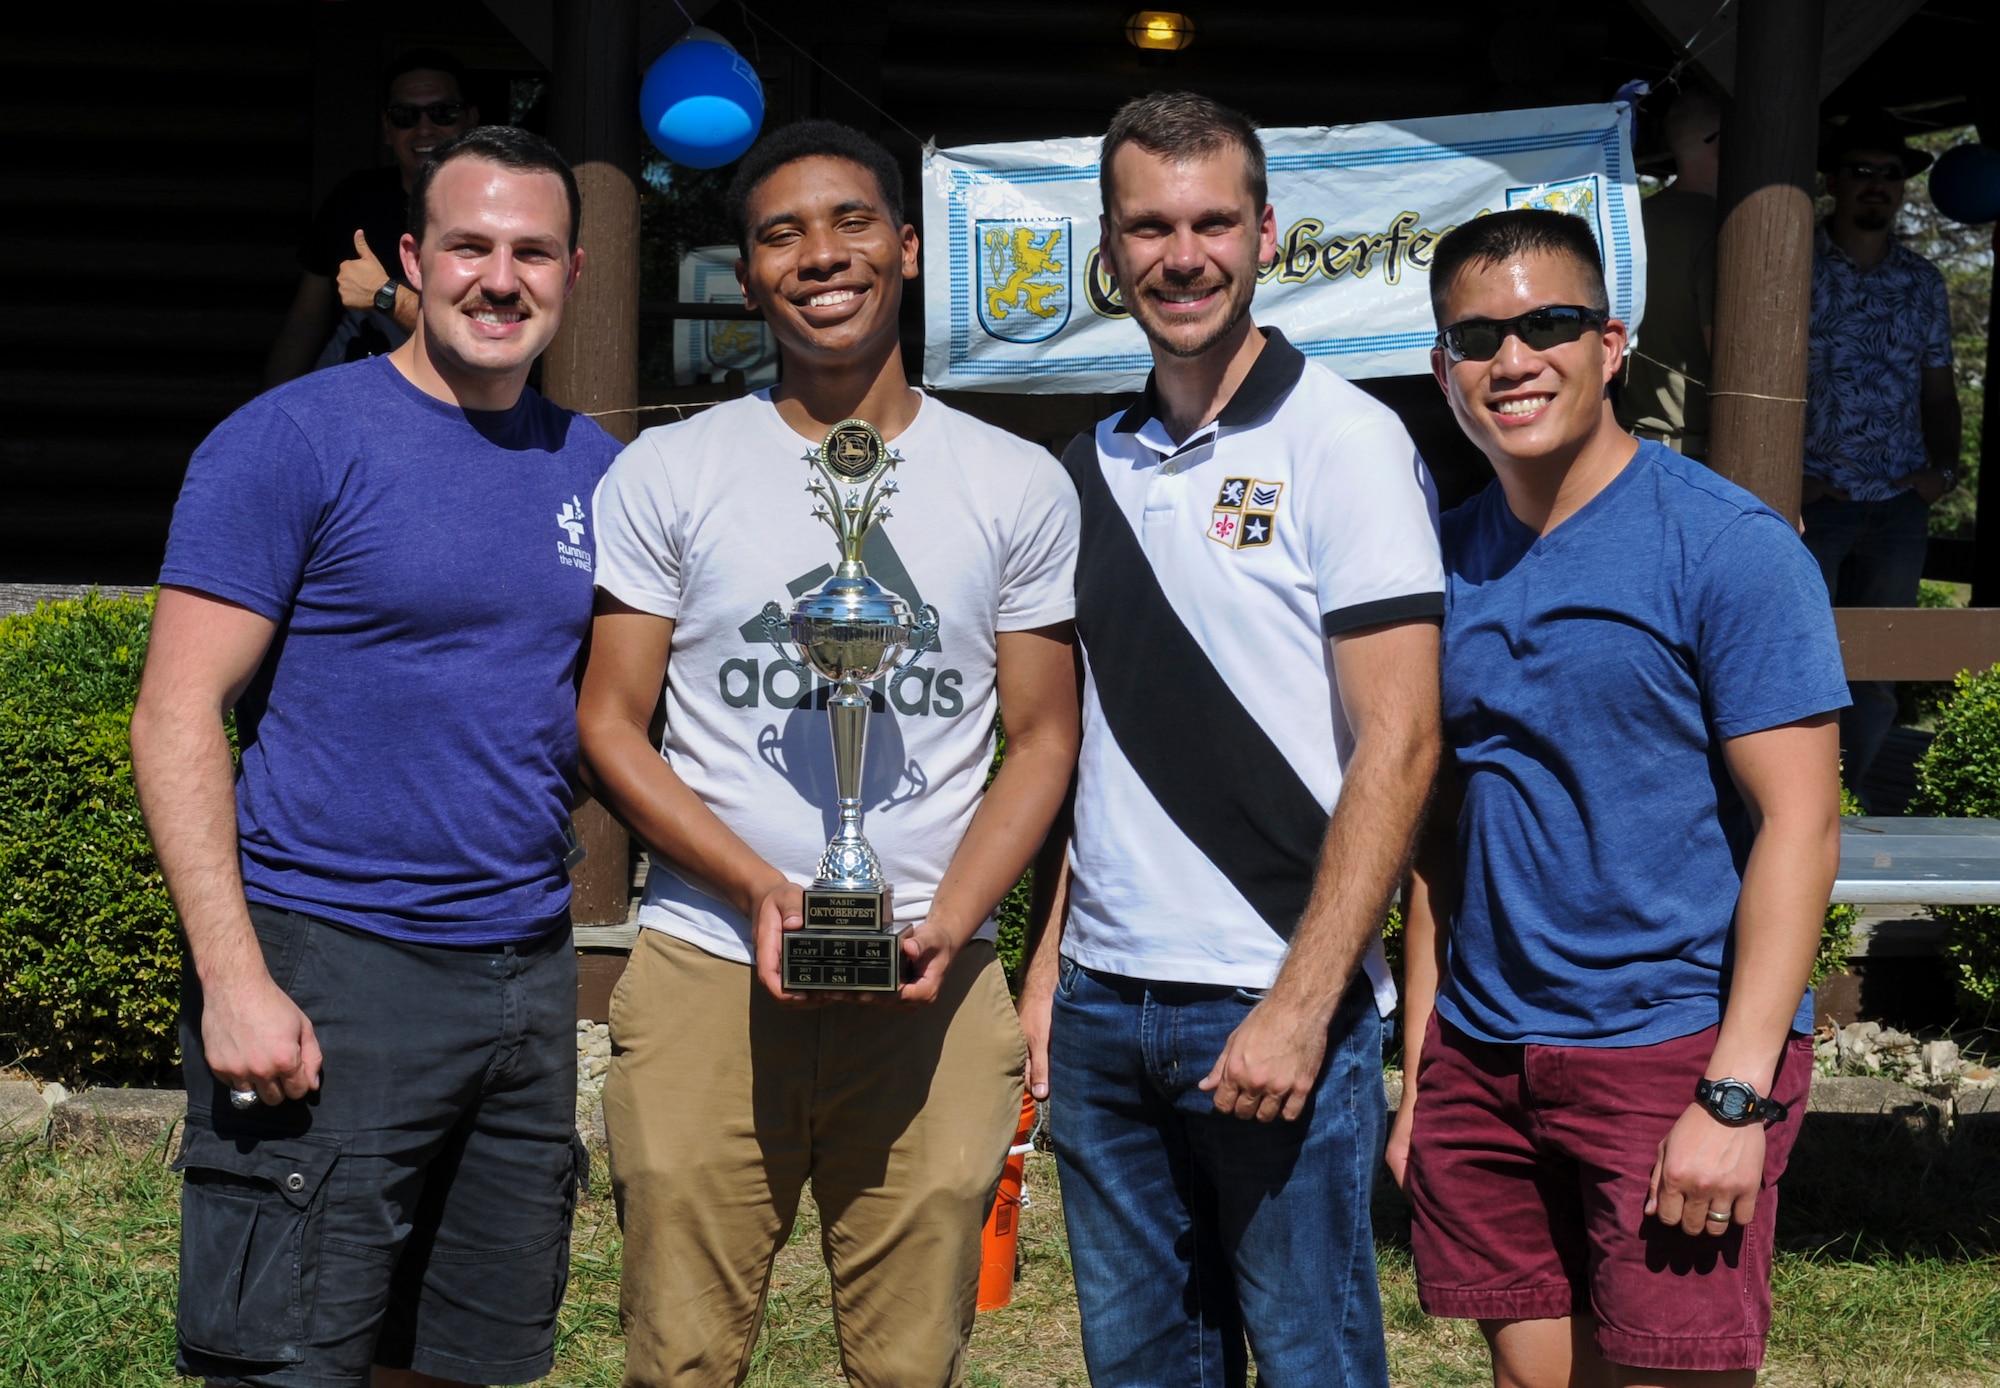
<point>157,168</point>
<point>159,164</point>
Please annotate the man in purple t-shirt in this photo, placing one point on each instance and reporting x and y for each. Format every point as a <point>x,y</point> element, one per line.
<point>384,569</point>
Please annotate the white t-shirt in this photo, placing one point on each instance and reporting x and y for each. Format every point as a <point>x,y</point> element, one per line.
<point>707,520</point>
<point>1302,512</point>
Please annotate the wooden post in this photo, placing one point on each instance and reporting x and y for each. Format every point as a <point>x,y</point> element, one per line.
<point>1986,538</point>
<point>593,365</point>
<point>1763,280</point>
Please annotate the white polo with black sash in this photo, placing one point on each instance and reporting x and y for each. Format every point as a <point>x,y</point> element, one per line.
<point>1212,572</point>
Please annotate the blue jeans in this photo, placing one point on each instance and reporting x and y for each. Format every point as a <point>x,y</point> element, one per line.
<point>1190,1230</point>
<point>1871,554</point>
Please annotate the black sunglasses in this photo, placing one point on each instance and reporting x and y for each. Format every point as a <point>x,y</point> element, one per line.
<point>404,116</point>
<point>1552,325</point>
<point>1888,173</point>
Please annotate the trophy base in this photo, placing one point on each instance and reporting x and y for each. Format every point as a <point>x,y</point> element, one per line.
<point>848,943</point>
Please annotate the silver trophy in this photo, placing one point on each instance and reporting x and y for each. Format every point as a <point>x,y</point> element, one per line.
<point>852,631</point>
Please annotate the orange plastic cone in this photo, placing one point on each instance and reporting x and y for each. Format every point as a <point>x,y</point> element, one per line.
<point>999,1244</point>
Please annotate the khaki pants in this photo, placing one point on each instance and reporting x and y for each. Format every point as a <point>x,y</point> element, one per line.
<point>721,1104</point>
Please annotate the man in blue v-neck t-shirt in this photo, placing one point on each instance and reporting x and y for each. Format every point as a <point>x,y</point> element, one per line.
<point>384,569</point>
<point>1614,917</point>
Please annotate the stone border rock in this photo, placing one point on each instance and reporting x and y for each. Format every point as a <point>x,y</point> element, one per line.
<point>17,598</point>
<point>134,1122</point>
<point>139,1121</point>
<point>24,1114</point>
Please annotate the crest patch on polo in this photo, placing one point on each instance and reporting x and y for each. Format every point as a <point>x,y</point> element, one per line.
<point>1246,512</point>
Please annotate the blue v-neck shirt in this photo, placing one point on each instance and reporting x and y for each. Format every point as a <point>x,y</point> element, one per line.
<point>1591,676</point>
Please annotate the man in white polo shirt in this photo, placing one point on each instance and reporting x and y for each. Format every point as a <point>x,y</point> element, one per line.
<point>1258,595</point>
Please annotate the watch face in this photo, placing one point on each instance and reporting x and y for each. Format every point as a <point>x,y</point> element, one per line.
<point>1731,1100</point>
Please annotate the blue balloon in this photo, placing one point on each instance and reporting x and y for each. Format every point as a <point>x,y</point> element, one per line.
<point>1965,183</point>
<point>701,103</point>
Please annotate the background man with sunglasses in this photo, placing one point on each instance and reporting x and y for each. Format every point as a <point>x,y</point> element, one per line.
<point>1882,413</point>
<point>352,300</point>
<point>1616,907</point>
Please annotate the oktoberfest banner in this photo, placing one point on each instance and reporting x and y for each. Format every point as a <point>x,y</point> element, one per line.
<point>1016,298</point>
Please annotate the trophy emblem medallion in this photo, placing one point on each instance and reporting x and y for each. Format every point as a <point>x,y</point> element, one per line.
<point>850,631</point>
<point>854,450</point>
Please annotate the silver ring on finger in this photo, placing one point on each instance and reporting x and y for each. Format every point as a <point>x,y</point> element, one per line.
<point>1718,1216</point>
<point>244,1098</point>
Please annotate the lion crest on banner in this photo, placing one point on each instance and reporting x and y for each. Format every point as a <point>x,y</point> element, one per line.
<point>1024,278</point>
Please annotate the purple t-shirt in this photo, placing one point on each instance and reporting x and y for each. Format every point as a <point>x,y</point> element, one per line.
<point>409,743</point>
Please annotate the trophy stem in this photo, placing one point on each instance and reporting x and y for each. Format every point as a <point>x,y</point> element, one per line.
<point>847,710</point>
<point>849,860</point>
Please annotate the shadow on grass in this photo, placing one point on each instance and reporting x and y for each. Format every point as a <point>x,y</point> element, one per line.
<point>1884,1185</point>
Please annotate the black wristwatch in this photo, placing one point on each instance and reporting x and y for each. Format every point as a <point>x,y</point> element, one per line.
<point>385,299</point>
<point>1737,1104</point>
<point>1950,476</point>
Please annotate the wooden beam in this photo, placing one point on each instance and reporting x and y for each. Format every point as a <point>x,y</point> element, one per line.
<point>593,365</point>
<point>1986,543</point>
<point>1916,643</point>
<point>1763,281</point>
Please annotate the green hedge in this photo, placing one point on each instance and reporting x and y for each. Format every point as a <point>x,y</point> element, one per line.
<point>1959,776</point>
<point>90,953</point>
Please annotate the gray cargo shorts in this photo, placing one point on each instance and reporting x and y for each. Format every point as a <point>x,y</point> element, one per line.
<point>413,1212</point>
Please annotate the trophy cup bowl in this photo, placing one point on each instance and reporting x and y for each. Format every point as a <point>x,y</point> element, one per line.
<point>851,629</point>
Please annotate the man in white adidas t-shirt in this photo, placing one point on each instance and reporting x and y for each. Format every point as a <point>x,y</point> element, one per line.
<point>727,1095</point>
<point>1258,595</point>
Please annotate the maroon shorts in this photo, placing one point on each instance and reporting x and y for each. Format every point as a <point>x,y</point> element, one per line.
<point>1527,1183</point>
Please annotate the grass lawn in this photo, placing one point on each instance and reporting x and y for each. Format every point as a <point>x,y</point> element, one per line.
<point>87,1295</point>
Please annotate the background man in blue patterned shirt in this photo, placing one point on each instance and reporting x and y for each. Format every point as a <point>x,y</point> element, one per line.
<point>1882,415</point>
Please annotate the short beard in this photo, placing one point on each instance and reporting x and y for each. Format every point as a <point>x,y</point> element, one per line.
<point>1188,353</point>
<point>1869,219</point>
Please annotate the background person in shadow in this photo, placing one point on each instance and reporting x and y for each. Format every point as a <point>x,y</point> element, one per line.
<point>727,1095</point>
<point>1665,392</point>
<point>1882,412</point>
<point>352,300</point>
